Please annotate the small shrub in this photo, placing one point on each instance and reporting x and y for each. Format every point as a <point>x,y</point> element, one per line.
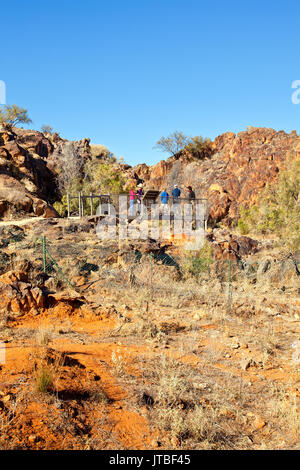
<point>200,148</point>
<point>100,396</point>
<point>277,210</point>
<point>43,378</point>
<point>243,227</point>
<point>197,265</point>
<point>44,336</point>
<point>118,363</point>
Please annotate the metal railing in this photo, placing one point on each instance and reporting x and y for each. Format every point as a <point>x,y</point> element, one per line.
<point>87,204</point>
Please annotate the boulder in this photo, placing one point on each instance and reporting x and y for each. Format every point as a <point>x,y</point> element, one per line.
<point>18,297</point>
<point>228,246</point>
<point>283,274</point>
<point>39,207</point>
<point>24,175</point>
<point>50,212</point>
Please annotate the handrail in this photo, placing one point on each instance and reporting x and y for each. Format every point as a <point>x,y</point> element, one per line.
<point>111,199</point>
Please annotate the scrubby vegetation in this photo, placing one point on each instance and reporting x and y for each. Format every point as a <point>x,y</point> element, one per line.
<point>46,129</point>
<point>196,265</point>
<point>199,147</point>
<point>138,357</point>
<point>101,174</point>
<point>277,210</point>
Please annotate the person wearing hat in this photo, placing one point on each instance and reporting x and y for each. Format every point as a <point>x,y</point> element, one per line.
<point>139,193</point>
<point>176,194</point>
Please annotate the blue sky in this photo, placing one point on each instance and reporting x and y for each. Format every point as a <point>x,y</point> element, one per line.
<point>126,72</point>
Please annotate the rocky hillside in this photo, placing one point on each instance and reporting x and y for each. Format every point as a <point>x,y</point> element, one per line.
<point>232,177</point>
<point>240,166</point>
<point>28,165</point>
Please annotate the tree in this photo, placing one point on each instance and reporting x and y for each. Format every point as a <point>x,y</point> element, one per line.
<point>12,114</point>
<point>173,143</point>
<point>71,165</point>
<point>47,129</point>
<point>104,177</point>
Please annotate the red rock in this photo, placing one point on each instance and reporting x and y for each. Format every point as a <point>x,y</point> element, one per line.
<point>24,175</point>
<point>50,212</point>
<point>239,167</point>
<point>17,296</point>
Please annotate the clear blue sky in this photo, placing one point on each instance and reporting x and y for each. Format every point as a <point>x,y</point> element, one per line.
<point>126,72</point>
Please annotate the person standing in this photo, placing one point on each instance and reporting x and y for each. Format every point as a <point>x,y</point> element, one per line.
<point>132,196</point>
<point>192,199</point>
<point>164,198</point>
<point>139,193</point>
<point>191,193</point>
<point>176,194</point>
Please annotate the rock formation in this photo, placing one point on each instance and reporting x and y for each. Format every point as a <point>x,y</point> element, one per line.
<point>26,183</point>
<point>28,164</point>
<point>239,167</point>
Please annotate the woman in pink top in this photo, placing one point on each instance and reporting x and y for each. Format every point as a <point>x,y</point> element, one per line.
<point>132,195</point>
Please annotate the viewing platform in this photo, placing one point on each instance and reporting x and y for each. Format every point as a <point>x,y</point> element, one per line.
<point>101,205</point>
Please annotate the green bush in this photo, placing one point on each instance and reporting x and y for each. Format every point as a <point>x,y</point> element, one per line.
<point>200,148</point>
<point>197,265</point>
<point>277,210</point>
<point>44,379</point>
<point>14,115</point>
<point>99,177</point>
<point>243,227</point>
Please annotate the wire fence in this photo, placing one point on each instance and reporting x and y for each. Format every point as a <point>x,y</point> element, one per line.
<point>76,260</point>
<point>146,270</point>
<point>73,254</point>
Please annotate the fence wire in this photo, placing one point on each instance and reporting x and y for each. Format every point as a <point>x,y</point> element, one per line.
<point>68,259</point>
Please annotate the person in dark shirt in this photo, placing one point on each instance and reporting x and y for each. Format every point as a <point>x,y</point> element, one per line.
<point>191,193</point>
<point>140,193</point>
<point>176,194</point>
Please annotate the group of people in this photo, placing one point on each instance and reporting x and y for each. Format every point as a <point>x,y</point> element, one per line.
<point>176,193</point>
<point>137,195</point>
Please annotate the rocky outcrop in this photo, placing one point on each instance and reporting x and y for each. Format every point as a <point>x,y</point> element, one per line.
<point>81,149</point>
<point>29,162</point>
<point>228,246</point>
<point>18,297</point>
<point>26,183</point>
<point>239,167</point>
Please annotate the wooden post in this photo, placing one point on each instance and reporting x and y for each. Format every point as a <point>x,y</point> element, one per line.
<point>44,254</point>
<point>79,205</point>
<point>151,296</point>
<point>229,279</point>
<point>82,205</point>
<point>91,204</point>
<point>68,205</point>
